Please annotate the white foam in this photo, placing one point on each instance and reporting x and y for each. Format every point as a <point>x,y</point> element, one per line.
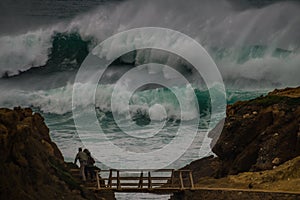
<point>59,101</point>
<point>23,51</point>
<point>157,112</point>
<point>214,24</point>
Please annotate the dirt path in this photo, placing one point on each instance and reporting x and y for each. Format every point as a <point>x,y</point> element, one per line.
<point>235,194</point>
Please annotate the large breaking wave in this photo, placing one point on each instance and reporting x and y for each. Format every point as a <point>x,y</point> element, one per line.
<point>253,48</point>
<point>250,45</point>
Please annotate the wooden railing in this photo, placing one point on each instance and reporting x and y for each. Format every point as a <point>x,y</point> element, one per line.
<point>144,179</point>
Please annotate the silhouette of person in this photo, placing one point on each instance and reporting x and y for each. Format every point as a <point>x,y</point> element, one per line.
<point>89,170</point>
<point>83,158</point>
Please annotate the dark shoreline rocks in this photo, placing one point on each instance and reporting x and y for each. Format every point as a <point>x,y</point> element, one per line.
<point>258,135</point>
<point>258,149</point>
<point>32,167</point>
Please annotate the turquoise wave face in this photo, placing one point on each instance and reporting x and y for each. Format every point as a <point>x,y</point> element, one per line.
<point>250,67</point>
<point>139,104</point>
<point>72,46</point>
<point>68,46</point>
<point>142,101</point>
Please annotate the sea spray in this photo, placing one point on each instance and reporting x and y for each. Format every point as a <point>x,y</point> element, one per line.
<point>274,33</point>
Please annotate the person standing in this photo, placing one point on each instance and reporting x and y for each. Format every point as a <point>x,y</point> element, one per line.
<point>83,158</point>
<point>90,168</point>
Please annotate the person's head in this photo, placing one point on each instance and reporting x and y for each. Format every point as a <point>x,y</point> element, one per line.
<point>86,151</point>
<point>79,149</point>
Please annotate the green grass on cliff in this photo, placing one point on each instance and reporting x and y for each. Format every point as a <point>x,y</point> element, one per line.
<point>275,99</point>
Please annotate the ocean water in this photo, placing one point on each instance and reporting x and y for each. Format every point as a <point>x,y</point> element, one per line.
<point>255,47</point>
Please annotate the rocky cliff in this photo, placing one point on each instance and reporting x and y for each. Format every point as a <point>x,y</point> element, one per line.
<point>261,133</point>
<point>31,165</point>
<point>258,135</point>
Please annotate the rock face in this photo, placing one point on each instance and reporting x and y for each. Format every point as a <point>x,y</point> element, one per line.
<point>32,167</point>
<point>260,134</point>
<point>205,167</point>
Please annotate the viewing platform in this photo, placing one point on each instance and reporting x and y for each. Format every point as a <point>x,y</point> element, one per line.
<point>163,181</point>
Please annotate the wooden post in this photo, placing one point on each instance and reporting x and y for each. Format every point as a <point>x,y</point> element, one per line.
<point>149,180</point>
<point>172,178</point>
<point>110,179</point>
<point>191,179</point>
<point>118,180</point>
<point>141,180</point>
<point>181,180</point>
<point>97,178</point>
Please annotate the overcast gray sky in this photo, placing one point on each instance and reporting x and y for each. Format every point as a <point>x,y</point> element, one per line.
<point>23,15</point>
